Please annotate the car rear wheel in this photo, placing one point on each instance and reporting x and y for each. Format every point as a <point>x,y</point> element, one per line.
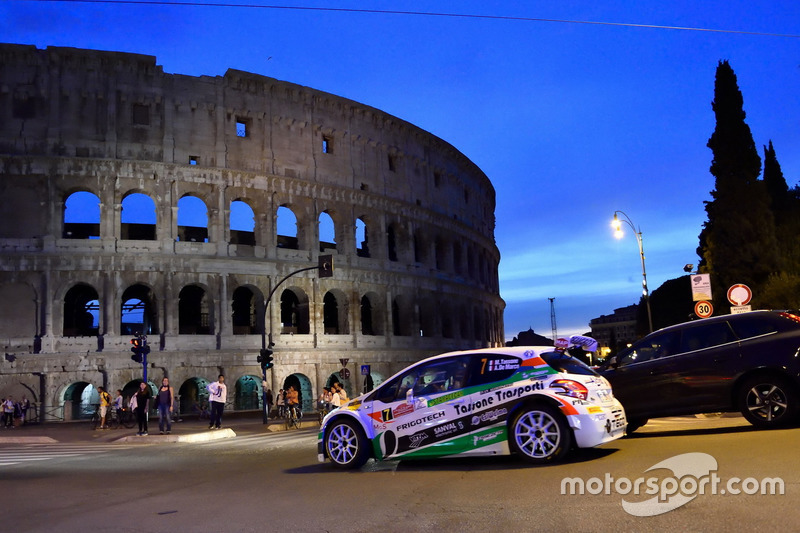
<point>346,444</point>
<point>634,424</point>
<point>768,401</point>
<point>540,434</point>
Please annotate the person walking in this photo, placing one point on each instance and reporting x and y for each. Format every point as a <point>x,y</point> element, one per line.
<point>8,413</point>
<point>105,401</point>
<point>218,393</point>
<point>279,403</point>
<point>24,405</point>
<point>117,405</point>
<point>270,401</point>
<point>140,402</point>
<point>164,402</point>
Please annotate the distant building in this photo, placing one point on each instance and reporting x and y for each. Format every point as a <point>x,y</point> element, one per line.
<point>529,338</point>
<point>617,330</point>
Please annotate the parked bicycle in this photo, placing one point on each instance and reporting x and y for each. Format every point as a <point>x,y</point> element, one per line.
<point>114,419</point>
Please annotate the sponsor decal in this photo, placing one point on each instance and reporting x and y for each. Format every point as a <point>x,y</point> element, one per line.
<point>448,429</point>
<point>482,440</point>
<point>430,418</point>
<point>446,398</point>
<point>403,409</point>
<point>489,416</point>
<point>593,409</point>
<point>497,365</point>
<point>417,439</point>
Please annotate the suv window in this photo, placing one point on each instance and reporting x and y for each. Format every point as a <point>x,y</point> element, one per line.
<point>706,336</point>
<point>653,347</point>
<point>753,326</point>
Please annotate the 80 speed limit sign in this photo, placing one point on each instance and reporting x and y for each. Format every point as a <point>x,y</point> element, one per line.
<point>703,309</point>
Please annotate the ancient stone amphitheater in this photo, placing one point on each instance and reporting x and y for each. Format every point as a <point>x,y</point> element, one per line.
<point>174,206</point>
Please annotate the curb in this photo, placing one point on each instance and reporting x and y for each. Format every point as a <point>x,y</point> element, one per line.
<point>192,437</point>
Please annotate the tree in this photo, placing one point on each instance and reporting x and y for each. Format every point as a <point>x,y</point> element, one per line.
<point>786,209</point>
<point>738,242</point>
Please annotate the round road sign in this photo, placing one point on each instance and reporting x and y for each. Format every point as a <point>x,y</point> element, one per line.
<point>739,294</point>
<point>345,373</point>
<point>703,309</point>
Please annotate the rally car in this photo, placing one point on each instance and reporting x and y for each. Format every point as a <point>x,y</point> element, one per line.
<point>536,402</point>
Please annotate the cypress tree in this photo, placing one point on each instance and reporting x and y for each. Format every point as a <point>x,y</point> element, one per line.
<point>738,242</point>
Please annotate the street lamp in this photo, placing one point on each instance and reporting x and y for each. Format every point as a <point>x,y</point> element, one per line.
<point>617,225</point>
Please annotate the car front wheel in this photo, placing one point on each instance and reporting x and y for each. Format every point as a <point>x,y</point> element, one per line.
<point>768,402</point>
<point>346,444</point>
<point>540,434</point>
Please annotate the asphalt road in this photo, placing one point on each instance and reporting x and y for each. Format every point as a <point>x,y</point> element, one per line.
<point>272,482</point>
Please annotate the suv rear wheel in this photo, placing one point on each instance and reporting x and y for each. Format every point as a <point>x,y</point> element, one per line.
<point>768,401</point>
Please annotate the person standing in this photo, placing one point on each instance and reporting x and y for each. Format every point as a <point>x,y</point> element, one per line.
<point>105,401</point>
<point>279,403</point>
<point>165,401</point>
<point>270,401</point>
<point>24,405</point>
<point>140,402</point>
<point>8,413</point>
<point>117,405</point>
<point>218,394</point>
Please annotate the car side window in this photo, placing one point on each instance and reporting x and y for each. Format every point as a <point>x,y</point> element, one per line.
<point>488,368</point>
<point>748,327</point>
<point>653,347</point>
<point>706,336</point>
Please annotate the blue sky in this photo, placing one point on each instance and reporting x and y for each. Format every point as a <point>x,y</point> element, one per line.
<point>571,121</point>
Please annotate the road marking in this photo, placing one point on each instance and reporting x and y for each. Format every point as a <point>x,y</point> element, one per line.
<point>13,455</point>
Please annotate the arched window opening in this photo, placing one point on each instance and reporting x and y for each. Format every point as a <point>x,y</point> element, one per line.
<point>366,317</point>
<point>420,251</point>
<point>194,312</point>
<point>82,216</point>
<point>294,313</point>
<point>330,314</point>
<point>243,224</point>
<point>244,312</point>
<point>81,312</point>
<point>287,229</point>
<point>138,311</point>
<point>327,233</point>
<point>362,245</point>
<point>138,218</point>
<point>391,242</point>
<point>192,219</point>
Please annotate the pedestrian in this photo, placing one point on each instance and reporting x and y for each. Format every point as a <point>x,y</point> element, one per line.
<point>165,401</point>
<point>279,403</point>
<point>8,413</point>
<point>343,399</point>
<point>117,405</point>
<point>218,393</point>
<point>105,401</point>
<point>336,400</point>
<point>140,402</point>
<point>24,405</point>
<point>270,401</point>
<point>293,402</point>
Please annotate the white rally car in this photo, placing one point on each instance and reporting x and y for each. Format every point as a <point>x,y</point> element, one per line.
<point>537,402</point>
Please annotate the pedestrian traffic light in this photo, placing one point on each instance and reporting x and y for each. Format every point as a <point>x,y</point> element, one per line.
<point>265,357</point>
<point>325,266</point>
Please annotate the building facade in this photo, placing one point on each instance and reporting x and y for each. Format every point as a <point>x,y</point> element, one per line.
<point>181,207</point>
<point>617,330</point>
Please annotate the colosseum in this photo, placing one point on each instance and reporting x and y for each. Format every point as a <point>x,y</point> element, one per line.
<point>195,210</point>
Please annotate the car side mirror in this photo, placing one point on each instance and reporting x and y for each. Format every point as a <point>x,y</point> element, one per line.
<point>613,362</point>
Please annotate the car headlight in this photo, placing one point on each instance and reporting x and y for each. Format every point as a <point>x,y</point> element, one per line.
<point>568,387</point>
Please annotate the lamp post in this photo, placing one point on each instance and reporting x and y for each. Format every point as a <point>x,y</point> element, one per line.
<point>617,225</point>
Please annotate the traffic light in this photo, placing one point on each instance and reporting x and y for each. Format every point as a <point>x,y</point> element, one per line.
<point>325,266</point>
<point>265,357</point>
<point>136,348</point>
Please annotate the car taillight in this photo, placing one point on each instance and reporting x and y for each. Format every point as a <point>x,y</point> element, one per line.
<point>790,316</point>
<point>570,388</point>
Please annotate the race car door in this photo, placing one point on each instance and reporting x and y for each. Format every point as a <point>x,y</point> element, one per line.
<point>416,412</point>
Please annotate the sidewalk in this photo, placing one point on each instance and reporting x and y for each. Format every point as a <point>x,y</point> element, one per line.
<point>188,430</point>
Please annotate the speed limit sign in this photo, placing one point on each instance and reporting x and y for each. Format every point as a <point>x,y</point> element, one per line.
<point>703,309</point>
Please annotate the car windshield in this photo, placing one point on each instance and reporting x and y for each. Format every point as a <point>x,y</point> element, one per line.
<point>563,362</point>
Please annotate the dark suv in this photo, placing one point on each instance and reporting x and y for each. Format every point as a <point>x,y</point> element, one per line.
<point>746,362</point>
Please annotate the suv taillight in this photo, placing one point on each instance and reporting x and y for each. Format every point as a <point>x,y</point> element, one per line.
<point>570,388</point>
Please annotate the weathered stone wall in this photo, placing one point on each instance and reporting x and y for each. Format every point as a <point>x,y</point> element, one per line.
<point>115,124</point>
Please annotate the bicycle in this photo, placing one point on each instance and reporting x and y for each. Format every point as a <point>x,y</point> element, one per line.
<point>113,419</point>
<point>293,417</point>
<point>323,412</point>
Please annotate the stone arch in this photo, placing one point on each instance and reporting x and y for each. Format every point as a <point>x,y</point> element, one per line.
<point>81,311</point>
<point>362,237</point>
<point>138,218</point>
<point>372,316</point>
<point>347,384</point>
<point>248,393</point>
<point>195,311</point>
<point>287,236</point>
<point>138,311</point>
<point>194,396</point>
<point>295,311</point>
<point>428,314</point>
<point>247,310</point>
<point>79,399</point>
<point>302,384</point>
<point>81,217</point>
<point>402,316</point>
<point>192,218</point>
<point>335,313</point>
<point>327,232</point>
<point>242,223</point>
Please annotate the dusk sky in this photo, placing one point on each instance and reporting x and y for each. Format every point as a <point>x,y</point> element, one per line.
<point>573,109</point>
